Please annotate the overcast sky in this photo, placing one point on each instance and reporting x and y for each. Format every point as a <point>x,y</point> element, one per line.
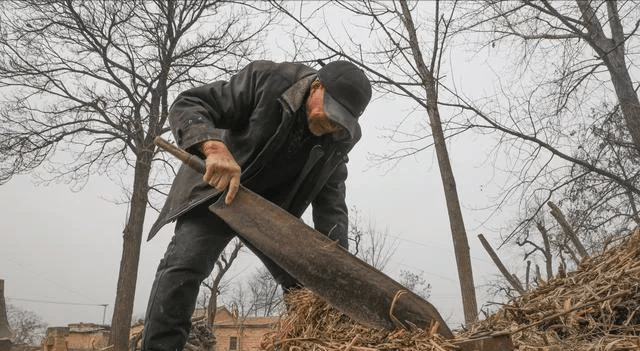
<point>60,251</point>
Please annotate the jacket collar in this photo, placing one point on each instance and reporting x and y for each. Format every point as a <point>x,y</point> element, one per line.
<point>295,94</point>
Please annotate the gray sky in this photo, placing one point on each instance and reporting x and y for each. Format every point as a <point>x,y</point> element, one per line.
<point>60,251</point>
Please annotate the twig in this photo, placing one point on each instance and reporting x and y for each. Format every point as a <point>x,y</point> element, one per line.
<point>393,318</point>
<point>352,342</point>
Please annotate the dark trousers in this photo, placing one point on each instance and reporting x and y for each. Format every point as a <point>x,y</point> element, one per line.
<point>200,237</point>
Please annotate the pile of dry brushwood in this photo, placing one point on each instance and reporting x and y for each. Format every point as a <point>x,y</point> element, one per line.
<point>595,307</point>
<point>312,324</point>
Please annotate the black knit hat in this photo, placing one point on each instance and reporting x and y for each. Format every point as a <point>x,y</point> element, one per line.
<point>347,93</point>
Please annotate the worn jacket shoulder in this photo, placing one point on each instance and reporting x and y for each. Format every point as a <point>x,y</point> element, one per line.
<point>288,71</point>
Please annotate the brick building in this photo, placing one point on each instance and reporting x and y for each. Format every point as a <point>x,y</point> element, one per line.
<point>76,337</point>
<point>235,333</point>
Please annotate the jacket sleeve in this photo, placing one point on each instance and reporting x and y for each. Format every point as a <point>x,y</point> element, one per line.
<point>330,213</point>
<point>206,112</point>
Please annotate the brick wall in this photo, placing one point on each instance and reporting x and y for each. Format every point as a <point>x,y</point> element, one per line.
<point>56,339</point>
<point>248,332</point>
<point>247,338</point>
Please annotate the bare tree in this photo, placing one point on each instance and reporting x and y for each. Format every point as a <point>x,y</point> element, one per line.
<point>415,282</point>
<point>88,84</point>
<point>395,54</point>
<point>371,245</point>
<point>27,327</point>
<point>557,241</point>
<point>213,284</point>
<point>266,294</point>
<point>259,296</point>
<point>565,109</point>
<point>574,30</point>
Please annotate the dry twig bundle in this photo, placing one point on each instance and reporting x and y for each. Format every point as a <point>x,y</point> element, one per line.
<point>595,307</point>
<point>312,324</point>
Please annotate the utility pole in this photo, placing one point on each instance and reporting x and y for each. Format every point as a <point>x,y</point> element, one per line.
<point>104,311</point>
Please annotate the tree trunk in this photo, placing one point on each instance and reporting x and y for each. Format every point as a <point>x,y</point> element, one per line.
<point>629,104</point>
<point>528,275</point>
<point>212,307</point>
<point>568,230</point>
<point>547,249</point>
<point>5,330</point>
<point>456,222</point>
<point>132,239</point>
<point>612,53</point>
<point>458,232</point>
<point>505,273</point>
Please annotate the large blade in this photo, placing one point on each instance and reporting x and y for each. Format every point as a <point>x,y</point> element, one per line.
<point>346,282</point>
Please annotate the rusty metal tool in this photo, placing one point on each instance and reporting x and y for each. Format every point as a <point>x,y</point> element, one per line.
<point>349,284</point>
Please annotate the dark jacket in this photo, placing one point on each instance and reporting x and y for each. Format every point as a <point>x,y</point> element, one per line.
<point>252,114</point>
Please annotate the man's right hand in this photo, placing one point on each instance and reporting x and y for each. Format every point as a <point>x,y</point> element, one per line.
<point>222,171</point>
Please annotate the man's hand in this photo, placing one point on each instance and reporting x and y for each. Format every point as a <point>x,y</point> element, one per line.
<point>222,170</point>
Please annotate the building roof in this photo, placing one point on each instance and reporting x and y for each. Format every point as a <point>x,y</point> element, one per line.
<point>248,322</point>
<point>227,319</point>
<point>87,327</point>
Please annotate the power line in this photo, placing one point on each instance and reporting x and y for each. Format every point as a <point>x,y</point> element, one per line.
<point>59,302</point>
<point>430,246</point>
<point>103,305</point>
<point>427,272</point>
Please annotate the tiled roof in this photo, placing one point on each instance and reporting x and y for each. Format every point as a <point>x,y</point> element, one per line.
<point>248,321</point>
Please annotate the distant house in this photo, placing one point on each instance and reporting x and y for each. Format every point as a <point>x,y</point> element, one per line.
<point>76,337</point>
<point>234,333</point>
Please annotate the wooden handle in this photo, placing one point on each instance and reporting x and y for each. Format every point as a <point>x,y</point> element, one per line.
<point>190,160</point>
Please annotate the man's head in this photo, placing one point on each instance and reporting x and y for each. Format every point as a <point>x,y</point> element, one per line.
<point>337,98</point>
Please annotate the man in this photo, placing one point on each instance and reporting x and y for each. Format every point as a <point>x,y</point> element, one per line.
<point>283,130</point>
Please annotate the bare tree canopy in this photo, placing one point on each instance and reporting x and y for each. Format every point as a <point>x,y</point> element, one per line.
<point>566,110</point>
<point>372,245</point>
<point>261,296</point>
<point>94,78</point>
<point>27,327</point>
<point>87,86</point>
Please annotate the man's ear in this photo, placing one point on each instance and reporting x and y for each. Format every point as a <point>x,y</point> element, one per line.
<point>316,84</point>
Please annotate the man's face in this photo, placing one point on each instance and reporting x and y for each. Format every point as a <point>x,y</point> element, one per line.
<point>319,123</point>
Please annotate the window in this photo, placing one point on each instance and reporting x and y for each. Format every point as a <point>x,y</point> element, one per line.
<point>233,343</point>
